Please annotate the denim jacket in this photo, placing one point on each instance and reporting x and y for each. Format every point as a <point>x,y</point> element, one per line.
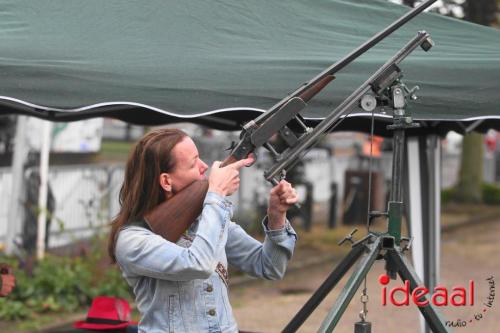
<point>176,286</point>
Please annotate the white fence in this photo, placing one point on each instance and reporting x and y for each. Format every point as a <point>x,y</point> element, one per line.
<point>85,198</point>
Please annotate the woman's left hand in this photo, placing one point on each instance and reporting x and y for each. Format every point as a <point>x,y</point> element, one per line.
<point>281,198</point>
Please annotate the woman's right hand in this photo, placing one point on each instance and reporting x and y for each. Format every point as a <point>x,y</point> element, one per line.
<point>225,181</point>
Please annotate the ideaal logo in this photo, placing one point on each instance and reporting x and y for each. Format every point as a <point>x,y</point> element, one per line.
<point>459,296</point>
<point>441,296</point>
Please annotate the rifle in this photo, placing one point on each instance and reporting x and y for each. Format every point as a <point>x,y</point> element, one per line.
<point>172,217</point>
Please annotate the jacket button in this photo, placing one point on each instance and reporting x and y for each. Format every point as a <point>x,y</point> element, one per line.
<point>211,312</point>
<point>209,288</point>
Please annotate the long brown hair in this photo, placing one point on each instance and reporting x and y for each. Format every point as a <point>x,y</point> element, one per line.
<point>141,190</point>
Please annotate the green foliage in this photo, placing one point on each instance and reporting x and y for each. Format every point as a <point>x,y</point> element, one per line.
<point>491,194</point>
<point>62,284</point>
<point>447,195</point>
<point>11,310</point>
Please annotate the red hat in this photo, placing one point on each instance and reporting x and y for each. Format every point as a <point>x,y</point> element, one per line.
<point>106,313</point>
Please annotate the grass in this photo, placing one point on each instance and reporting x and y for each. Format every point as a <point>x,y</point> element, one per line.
<point>453,213</point>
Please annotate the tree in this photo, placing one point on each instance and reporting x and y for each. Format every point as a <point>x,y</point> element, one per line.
<point>481,11</point>
<point>470,177</point>
<point>410,3</point>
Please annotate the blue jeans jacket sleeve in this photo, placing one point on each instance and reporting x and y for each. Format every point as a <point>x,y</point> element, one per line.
<point>140,252</point>
<point>266,260</point>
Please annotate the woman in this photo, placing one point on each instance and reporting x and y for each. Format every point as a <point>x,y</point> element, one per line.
<point>182,287</point>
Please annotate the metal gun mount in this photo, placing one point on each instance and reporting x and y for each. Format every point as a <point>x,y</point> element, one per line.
<point>384,86</point>
<point>379,89</point>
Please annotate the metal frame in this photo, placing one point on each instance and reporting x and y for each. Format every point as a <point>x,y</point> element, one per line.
<point>387,246</point>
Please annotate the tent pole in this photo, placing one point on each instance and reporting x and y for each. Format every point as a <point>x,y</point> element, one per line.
<point>17,198</point>
<point>43,189</point>
<point>424,179</point>
<point>415,210</point>
<point>430,160</point>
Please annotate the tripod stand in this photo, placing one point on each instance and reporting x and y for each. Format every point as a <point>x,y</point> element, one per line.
<point>387,246</point>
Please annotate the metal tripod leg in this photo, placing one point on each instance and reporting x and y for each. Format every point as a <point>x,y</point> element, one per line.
<point>330,282</point>
<point>350,288</point>
<point>406,272</point>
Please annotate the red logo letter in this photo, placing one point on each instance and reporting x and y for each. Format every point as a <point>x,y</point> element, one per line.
<point>459,292</point>
<point>440,291</point>
<point>418,296</point>
<point>384,280</point>
<point>471,292</point>
<point>405,290</point>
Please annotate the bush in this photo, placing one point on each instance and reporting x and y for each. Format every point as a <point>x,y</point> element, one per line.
<point>61,284</point>
<point>491,194</point>
<point>447,195</point>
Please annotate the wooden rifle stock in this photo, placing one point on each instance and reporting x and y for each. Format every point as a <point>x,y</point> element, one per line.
<point>174,216</point>
<point>316,88</point>
<point>229,160</point>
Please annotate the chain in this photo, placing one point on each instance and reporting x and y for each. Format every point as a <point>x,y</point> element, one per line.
<point>364,300</point>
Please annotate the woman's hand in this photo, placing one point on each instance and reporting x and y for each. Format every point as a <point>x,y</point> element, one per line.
<point>226,180</point>
<point>281,198</point>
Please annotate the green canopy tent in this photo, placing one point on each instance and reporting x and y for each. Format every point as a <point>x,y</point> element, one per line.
<point>221,63</point>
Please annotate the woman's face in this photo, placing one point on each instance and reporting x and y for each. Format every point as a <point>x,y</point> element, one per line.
<point>188,165</point>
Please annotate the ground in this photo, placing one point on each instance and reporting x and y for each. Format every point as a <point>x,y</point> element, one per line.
<point>470,252</point>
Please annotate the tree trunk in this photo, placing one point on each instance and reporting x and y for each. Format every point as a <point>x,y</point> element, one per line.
<point>481,11</point>
<point>470,179</point>
<point>410,3</point>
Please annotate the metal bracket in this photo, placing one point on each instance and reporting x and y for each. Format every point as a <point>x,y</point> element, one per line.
<point>277,120</point>
<point>288,136</point>
<point>368,239</point>
<point>348,238</point>
<point>473,126</point>
<point>406,243</point>
<point>385,80</point>
<point>375,214</point>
